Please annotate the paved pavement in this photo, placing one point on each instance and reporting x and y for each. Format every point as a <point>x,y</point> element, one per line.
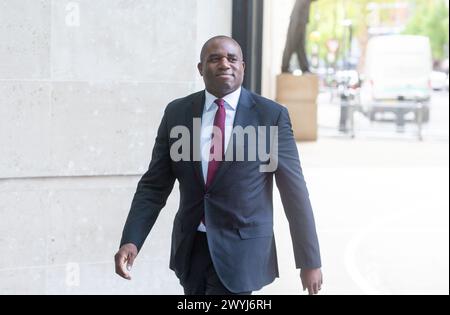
<point>381,203</point>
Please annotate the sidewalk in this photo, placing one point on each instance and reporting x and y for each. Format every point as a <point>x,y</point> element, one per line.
<point>381,208</point>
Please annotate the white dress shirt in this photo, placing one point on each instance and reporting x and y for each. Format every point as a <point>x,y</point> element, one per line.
<point>209,112</point>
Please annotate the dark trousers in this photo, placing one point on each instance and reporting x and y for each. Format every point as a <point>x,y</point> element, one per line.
<point>202,278</point>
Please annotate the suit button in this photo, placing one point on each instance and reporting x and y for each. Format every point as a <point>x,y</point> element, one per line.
<point>207,196</point>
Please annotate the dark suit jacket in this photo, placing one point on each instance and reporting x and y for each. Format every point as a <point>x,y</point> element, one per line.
<point>237,206</point>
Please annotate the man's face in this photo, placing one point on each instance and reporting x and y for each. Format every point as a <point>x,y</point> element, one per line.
<point>222,67</point>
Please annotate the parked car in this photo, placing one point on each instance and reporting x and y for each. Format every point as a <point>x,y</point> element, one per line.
<point>397,71</point>
<point>438,80</point>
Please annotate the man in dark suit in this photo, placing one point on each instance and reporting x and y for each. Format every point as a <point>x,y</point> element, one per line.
<point>222,239</point>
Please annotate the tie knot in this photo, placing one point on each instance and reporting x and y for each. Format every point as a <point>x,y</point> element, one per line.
<point>219,102</point>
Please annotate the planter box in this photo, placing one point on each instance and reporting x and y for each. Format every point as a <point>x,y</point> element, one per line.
<point>299,95</point>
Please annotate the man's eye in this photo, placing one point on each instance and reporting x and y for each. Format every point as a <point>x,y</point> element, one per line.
<point>232,59</point>
<point>214,59</point>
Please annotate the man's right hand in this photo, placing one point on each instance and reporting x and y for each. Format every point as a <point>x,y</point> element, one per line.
<point>124,260</point>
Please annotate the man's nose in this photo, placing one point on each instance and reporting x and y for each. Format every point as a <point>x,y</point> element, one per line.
<point>224,63</point>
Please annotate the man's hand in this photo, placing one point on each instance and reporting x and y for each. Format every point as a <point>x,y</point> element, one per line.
<point>311,280</point>
<point>124,260</point>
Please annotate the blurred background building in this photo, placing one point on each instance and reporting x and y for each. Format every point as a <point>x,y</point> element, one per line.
<point>83,85</point>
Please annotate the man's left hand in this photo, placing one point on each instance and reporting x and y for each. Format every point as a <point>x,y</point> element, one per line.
<point>311,280</point>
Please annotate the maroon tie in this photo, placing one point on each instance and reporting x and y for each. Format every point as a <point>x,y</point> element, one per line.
<point>217,141</point>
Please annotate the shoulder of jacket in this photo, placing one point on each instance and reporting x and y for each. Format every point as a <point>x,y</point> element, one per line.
<point>267,104</point>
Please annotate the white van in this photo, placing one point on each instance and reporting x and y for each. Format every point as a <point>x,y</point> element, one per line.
<point>397,70</point>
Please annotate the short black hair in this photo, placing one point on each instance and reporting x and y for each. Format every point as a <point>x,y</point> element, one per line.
<point>206,44</point>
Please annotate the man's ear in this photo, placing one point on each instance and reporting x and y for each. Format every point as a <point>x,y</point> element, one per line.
<point>200,68</point>
<point>243,65</point>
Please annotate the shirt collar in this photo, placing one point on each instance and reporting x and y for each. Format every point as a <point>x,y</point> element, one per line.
<point>231,99</point>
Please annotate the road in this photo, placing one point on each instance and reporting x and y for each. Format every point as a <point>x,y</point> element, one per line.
<point>436,129</point>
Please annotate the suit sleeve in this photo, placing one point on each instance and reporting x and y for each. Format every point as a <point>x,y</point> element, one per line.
<point>152,191</point>
<point>295,197</point>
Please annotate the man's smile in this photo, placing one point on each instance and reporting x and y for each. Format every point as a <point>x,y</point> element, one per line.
<point>225,75</point>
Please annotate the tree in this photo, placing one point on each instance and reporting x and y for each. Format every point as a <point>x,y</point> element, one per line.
<point>327,17</point>
<point>431,19</point>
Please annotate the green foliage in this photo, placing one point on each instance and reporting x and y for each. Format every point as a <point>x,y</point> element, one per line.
<point>431,19</point>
